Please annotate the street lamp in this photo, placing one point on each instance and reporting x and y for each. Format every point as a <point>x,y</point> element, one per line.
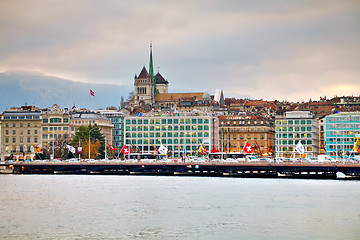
<point>89,140</point>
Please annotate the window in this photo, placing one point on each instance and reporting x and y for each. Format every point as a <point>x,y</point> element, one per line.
<point>14,132</point>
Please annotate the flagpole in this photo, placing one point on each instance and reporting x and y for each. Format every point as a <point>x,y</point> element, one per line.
<point>105,150</point>
<point>53,154</point>
<point>78,150</point>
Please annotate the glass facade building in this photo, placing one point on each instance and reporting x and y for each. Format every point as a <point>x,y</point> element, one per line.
<point>177,133</point>
<point>341,131</point>
<point>294,127</point>
<point>117,119</point>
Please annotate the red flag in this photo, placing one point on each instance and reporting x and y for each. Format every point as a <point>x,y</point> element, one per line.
<point>38,149</point>
<point>111,148</point>
<point>258,147</point>
<point>214,150</point>
<point>125,150</point>
<point>92,93</point>
<point>155,148</point>
<point>248,148</point>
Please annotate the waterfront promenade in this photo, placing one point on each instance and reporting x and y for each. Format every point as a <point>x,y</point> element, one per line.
<point>216,169</point>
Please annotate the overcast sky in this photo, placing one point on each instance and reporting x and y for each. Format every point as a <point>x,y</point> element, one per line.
<point>270,49</point>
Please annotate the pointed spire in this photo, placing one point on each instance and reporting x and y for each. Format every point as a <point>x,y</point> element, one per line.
<point>151,69</point>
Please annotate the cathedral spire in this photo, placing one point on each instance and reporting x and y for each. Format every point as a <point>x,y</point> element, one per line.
<point>151,69</point>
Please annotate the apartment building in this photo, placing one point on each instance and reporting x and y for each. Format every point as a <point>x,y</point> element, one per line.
<point>117,120</point>
<point>179,133</point>
<point>341,131</point>
<point>235,131</point>
<point>20,132</point>
<point>293,127</point>
<point>55,131</point>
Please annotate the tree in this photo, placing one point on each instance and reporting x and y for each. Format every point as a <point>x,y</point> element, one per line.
<point>97,141</point>
<point>125,103</point>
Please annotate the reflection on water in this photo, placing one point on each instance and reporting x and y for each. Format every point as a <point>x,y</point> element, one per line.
<point>149,207</point>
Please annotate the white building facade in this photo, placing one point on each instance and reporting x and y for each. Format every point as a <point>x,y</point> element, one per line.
<point>293,127</point>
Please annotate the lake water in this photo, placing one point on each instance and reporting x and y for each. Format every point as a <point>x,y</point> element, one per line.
<point>150,207</point>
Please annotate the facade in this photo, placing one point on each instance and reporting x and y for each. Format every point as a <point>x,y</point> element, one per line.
<point>341,131</point>
<point>55,130</point>
<point>235,131</point>
<point>86,118</point>
<point>183,101</point>
<point>293,127</point>
<point>117,119</point>
<point>177,132</point>
<point>20,132</point>
<point>322,141</point>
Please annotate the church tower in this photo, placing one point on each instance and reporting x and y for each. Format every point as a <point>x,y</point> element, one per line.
<point>144,86</point>
<point>147,85</point>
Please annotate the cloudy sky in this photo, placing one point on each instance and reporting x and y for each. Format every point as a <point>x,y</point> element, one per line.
<point>284,50</point>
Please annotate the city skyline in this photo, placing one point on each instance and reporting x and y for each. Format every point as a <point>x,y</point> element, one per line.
<point>271,50</point>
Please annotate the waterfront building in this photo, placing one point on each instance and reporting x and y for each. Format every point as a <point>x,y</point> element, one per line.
<point>322,141</point>
<point>341,132</point>
<point>117,119</point>
<point>55,131</point>
<point>1,146</point>
<point>177,132</point>
<point>235,131</point>
<point>20,132</point>
<point>293,127</point>
<point>85,118</point>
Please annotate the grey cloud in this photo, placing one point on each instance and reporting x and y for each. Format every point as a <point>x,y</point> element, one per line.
<point>204,45</point>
